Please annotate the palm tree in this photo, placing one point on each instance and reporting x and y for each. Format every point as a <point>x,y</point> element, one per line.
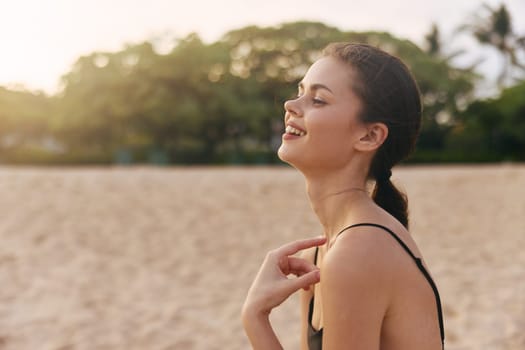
<point>494,28</point>
<point>433,41</point>
<point>433,45</point>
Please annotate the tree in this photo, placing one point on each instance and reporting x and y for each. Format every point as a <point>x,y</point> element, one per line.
<point>222,101</point>
<point>433,41</point>
<point>23,121</point>
<point>446,91</point>
<point>494,28</point>
<point>493,129</point>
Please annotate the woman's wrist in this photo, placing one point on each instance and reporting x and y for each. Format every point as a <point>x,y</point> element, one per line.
<point>259,329</point>
<point>251,313</point>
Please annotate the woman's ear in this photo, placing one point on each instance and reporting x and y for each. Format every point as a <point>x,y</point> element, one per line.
<point>374,138</point>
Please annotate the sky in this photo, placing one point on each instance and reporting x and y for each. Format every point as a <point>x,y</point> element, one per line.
<point>40,40</point>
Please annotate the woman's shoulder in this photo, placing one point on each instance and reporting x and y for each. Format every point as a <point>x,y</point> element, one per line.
<point>356,276</point>
<point>365,249</point>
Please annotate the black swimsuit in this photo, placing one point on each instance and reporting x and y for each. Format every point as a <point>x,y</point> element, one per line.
<point>315,338</point>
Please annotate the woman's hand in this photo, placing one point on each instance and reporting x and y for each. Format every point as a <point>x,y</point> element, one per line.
<point>272,286</point>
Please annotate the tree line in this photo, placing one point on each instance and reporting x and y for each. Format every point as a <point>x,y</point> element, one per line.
<point>222,102</point>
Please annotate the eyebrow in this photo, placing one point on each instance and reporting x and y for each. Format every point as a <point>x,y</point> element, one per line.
<point>315,87</point>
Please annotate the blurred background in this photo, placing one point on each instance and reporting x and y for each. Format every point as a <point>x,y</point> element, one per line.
<point>166,83</point>
<point>103,248</point>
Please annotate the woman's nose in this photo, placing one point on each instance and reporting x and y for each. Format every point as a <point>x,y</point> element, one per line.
<point>292,107</point>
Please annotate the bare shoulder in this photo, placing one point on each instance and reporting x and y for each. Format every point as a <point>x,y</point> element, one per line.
<point>366,257</point>
<point>369,257</point>
<point>361,247</point>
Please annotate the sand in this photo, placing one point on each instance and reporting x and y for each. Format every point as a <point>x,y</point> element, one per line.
<point>161,258</point>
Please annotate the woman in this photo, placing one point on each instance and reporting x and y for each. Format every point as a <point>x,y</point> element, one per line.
<point>357,114</point>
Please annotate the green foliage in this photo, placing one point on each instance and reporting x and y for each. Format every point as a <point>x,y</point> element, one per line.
<point>494,28</point>
<point>220,102</point>
<point>493,128</point>
<point>433,41</point>
<point>24,120</point>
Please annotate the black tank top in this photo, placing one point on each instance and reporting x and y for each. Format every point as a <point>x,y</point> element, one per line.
<point>315,337</point>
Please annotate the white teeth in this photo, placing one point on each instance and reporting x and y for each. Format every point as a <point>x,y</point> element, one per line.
<point>292,130</point>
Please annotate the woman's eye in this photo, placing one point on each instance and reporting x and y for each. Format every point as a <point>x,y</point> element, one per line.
<point>318,101</point>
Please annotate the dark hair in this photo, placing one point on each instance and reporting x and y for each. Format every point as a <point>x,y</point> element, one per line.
<point>390,95</point>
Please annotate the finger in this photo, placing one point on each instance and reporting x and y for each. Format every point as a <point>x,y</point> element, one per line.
<point>294,247</point>
<point>299,266</point>
<point>304,281</point>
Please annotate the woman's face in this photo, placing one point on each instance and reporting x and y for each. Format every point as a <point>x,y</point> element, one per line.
<point>322,123</point>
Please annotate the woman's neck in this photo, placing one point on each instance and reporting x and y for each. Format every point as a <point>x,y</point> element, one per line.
<point>334,201</point>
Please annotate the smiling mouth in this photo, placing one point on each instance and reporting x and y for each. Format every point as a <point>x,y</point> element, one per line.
<point>293,131</point>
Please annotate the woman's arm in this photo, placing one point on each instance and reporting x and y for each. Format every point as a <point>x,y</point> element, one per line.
<point>259,330</point>
<point>272,286</point>
<point>355,288</point>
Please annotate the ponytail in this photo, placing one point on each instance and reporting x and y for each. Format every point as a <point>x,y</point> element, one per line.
<point>388,197</point>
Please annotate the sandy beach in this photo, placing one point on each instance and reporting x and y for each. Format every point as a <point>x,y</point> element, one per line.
<point>161,258</point>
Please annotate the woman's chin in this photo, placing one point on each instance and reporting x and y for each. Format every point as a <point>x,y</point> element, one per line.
<point>288,156</point>
<point>284,155</point>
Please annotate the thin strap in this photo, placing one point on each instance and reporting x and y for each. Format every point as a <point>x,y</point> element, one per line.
<point>419,264</point>
<point>405,247</point>
<point>315,256</point>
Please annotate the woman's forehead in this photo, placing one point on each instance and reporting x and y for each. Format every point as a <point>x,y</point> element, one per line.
<point>329,72</point>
